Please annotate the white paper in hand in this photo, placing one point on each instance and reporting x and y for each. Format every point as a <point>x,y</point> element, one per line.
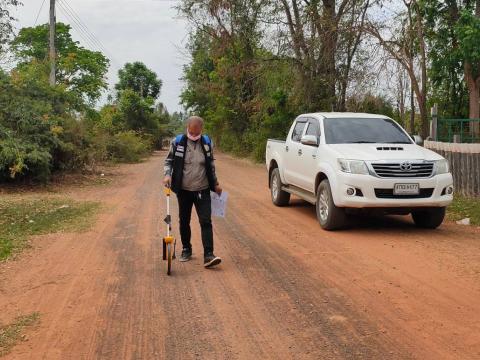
<point>219,204</point>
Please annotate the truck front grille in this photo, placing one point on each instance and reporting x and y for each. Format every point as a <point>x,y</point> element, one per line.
<point>403,169</point>
<point>388,194</point>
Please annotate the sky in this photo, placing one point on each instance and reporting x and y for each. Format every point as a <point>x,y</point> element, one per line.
<point>130,30</point>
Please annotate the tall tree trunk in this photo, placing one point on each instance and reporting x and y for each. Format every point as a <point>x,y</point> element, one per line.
<point>473,85</point>
<point>342,104</point>
<point>401,97</point>
<point>424,117</point>
<point>422,97</point>
<point>412,110</point>
<point>422,105</point>
<point>302,55</point>
<point>351,52</point>
<point>329,48</point>
<point>472,77</point>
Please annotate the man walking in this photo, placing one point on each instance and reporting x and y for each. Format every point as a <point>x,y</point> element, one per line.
<point>190,172</point>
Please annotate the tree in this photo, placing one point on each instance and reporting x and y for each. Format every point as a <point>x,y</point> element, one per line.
<point>136,112</point>
<point>176,123</point>
<point>370,104</point>
<point>37,131</point>
<point>446,71</point>
<point>406,45</point>
<point>350,40</point>
<point>256,64</point>
<point>324,37</point>
<point>139,78</point>
<point>6,19</point>
<point>455,55</point>
<point>468,32</point>
<point>80,70</point>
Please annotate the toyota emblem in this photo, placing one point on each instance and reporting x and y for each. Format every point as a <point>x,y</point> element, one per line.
<point>406,166</point>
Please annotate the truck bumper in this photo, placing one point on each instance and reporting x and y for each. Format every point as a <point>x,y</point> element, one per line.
<point>373,192</point>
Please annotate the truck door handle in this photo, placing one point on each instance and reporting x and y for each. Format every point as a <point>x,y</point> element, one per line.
<point>286,148</point>
<point>299,151</point>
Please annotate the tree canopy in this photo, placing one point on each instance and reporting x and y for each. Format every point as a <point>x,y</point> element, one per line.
<point>6,27</point>
<point>80,70</point>
<point>256,63</point>
<point>140,79</point>
<point>45,129</point>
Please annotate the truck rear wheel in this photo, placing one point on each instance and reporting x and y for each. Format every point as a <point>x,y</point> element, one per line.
<point>430,218</point>
<point>329,215</point>
<point>279,197</point>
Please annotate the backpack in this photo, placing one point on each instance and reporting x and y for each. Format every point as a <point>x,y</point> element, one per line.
<point>206,139</point>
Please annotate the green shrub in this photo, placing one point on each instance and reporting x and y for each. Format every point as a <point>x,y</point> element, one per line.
<point>129,146</point>
<point>44,129</point>
<point>23,158</point>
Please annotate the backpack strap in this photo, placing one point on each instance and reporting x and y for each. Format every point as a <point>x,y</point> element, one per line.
<point>178,139</point>
<point>206,140</point>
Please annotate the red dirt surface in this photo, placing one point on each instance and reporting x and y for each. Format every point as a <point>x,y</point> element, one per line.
<point>286,289</point>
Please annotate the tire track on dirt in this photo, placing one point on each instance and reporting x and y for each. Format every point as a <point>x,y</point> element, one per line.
<point>132,326</point>
<point>304,308</point>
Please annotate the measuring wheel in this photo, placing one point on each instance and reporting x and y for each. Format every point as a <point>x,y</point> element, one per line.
<point>169,242</point>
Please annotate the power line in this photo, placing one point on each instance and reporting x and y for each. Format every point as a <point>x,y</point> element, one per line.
<point>85,36</point>
<point>38,14</point>
<point>81,33</point>
<point>85,28</point>
<point>79,22</point>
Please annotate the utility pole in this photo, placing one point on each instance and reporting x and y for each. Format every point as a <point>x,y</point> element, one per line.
<point>53,52</point>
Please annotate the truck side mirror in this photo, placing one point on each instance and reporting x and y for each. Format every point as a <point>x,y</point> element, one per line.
<point>418,140</point>
<point>310,140</point>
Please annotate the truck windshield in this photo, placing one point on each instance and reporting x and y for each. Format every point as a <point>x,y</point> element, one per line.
<point>364,131</point>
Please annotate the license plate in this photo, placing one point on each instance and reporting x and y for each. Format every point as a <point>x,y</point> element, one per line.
<point>406,189</point>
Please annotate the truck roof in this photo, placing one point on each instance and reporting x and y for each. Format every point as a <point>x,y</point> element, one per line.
<point>333,115</point>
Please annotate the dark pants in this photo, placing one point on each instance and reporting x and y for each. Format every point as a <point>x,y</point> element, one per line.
<point>203,206</point>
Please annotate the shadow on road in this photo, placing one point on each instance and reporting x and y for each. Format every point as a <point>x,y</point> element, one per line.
<point>361,222</point>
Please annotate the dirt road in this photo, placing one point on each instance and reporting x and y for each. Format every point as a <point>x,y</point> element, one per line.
<point>286,289</point>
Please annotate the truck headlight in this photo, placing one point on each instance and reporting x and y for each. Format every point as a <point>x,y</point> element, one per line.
<point>353,166</point>
<point>442,167</point>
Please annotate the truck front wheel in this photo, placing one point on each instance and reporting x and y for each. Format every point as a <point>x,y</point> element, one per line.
<point>430,218</point>
<point>329,215</point>
<point>279,197</point>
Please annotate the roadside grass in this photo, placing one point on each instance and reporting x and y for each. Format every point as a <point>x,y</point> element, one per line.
<point>60,181</point>
<point>463,207</point>
<point>11,334</point>
<point>24,217</point>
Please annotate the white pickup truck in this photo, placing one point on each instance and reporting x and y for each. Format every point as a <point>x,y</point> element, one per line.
<point>347,162</point>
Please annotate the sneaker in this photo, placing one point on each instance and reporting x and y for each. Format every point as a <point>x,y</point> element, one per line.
<point>211,261</point>
<point>186,255</point>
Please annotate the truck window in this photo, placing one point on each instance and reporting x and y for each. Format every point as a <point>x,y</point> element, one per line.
<point>313,128</point>
<point>298,130</point>
<point>367,130</point>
